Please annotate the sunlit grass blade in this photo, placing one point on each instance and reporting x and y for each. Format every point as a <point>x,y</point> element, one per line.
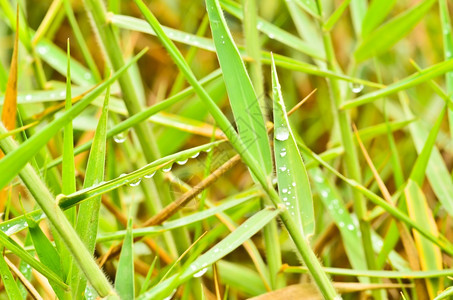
<point>446,294</point>
<point>17,159</point>
<point>328,25</point>
<point>221,249</point>
<point>376,13</point>
<point>243,100</point>
<point>380,40</point>
<point>124,281</point>
<point>403,84</point>
<point>310,6</point>
<point>293,183</point>
<point>430,255</point>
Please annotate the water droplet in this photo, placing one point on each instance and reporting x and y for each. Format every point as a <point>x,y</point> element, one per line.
<point>208,150</point>
<point>283,169</point>
<point>356,87</point>
<point>282,153</point>
<point>28,98</point>
<point>63,94</point>
<point>42,50</point>
<point>281,133</point>
<point>287,203</point>
<point>271,36</point>
<point>284,191</point>
<point>87,76</point>
<point>285,199</point>
<point>293,184</point>
<point>259,25</point>
<point>135,182</point>
<point>52,95</point>
<point>216,250</point>
<point>341,224</point>
<point>195,155</point>
<point>182,162</point>
<point>147,176</point>
<point>350,227</point>
<point>167,168</point>
<point>120,138</point>
<point>171,295</point>
<point>319,179</point>
<point>200,273</point>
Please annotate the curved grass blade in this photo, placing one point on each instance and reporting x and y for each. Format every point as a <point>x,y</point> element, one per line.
<point>124,280</point>
<point>328,25</point>
<point>16,160</point>
<point>429,254</point>
<point>310,6</point>
<point>243,100</point>
<point>292,178</point>
<point>221,249</point>
<point>391,32</point>
<point>376,13</point>
<point>446,294</point>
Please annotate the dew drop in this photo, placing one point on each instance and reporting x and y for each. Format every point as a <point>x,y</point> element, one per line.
<point>283,169</point>
<point>281,133</point>
<point>63,94</point>
<point>341,224</point>
<point>208,150</point>
<point>167,168</point>
<point>182,162</point>
<point>271,36</point>
<point>87,76</point>
<point>293,184</point>
<point>171,295</point>
<point>200,273</point>
<point>216,250</point>
<point>120,138</point>
<point>351,227</point>
<point>135,182</point>
<point>324,193</point>
<point>282,153</point>
<point>147,176</point>
<point>356,87</point>
<point>28,98</point>
<point>195,155</point>
<point>284,190</point>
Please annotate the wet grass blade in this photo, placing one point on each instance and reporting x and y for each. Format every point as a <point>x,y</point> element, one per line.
<point>12,290</point>
<point>243,100</point>
<point>124,279</point>
<point>17,159</point>
<point>293,183</point>
<point>380,40</point>
<point>430,255</point>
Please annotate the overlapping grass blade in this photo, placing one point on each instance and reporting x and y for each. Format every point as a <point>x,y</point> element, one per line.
<point>293,183</point>
<point>243,100</point>
<point>12,290</point>
<point>380,40</point>
<point>430,255</point>
<point>17,159</point>
<point>221,249</point>
<point>124,279</point>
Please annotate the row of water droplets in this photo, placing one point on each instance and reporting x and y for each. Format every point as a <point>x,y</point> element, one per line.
<point>334,205</point>
<point>165,169</point>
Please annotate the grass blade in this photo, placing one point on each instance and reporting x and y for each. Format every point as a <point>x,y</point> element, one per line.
<point>124,281</point>
<point>376,13</point>
<point>293,183</point>
<point>243,100</point>
<point>430,255</point>
<point>12,290</point>
<point>391,32</point>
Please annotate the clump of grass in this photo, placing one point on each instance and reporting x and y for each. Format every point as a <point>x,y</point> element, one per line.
<point>165,172</point>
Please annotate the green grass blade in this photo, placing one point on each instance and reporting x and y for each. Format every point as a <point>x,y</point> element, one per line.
<point>47,254</point>
<point>243,100</point>
<point>380,40</point>
<point>10,244</point>
<point>406,83</point>
<point>293,183</point>
<point>124,281</point>
<point>430,255</point>
<point>446,294</point>
<point>332,20</point>
<point>309,6</point>
<point>376,13</point>
<point>221,249</point>
<point>12,290</point>
<point>88,214</point>
<point>16,160</point>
